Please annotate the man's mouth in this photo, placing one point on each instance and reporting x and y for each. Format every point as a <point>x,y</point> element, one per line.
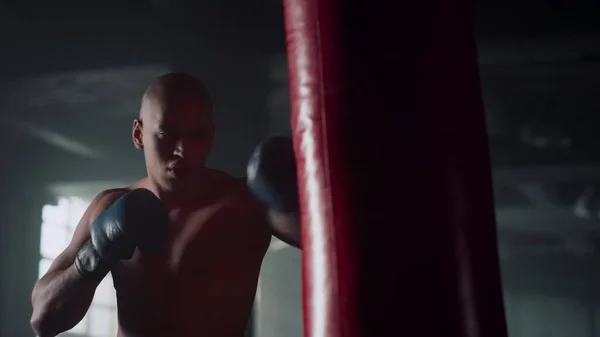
<point>177,171</point>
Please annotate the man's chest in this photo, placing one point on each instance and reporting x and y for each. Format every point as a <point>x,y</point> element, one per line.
<point>203,242</point>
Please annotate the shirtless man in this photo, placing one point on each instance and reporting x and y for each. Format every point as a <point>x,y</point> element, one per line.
<point>185,244</point>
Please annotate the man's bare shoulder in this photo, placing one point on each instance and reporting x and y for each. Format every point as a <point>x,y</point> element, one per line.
<point>218,175</point>
<point>142,183</point>
<point>108,196</point>
<point>102,201</point>
<point>248,212</point>
<point>223,183</point>
<point>239,189</point>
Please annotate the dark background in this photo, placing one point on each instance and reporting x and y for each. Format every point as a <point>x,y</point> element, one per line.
<point>72,74</point>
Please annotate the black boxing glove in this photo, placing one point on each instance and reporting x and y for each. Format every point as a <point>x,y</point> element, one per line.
<point>137,219</point>
<point>272,174</point>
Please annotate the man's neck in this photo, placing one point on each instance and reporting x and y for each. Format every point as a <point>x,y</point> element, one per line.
<point>188,193</point>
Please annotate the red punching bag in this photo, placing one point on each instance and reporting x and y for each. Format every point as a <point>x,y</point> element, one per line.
<point>398,224</point>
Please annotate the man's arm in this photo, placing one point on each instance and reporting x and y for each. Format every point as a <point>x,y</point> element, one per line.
<point>272,179</point>
<point>285,227</point>
<point>62,297</point>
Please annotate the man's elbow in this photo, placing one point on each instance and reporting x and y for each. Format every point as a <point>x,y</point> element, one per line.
<point>41,325</point>
<point>43,322</point>
<point>38,316</point>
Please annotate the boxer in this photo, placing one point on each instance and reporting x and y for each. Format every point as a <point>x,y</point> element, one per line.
<point>184,244</point>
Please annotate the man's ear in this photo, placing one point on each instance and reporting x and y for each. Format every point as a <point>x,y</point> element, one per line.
<point>136,134</point>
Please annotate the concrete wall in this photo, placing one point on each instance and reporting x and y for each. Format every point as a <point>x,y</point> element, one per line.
<point>20,218</point>
<point>533,316</point>
<point>278,306</point>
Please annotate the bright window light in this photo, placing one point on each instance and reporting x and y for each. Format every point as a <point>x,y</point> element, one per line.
<point>58,224</point>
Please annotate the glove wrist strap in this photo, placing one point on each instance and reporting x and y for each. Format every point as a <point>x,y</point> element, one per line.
<point>89,263</point>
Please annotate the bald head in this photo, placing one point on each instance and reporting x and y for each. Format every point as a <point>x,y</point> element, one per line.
<point>171,89</point>
<point>174,129</point>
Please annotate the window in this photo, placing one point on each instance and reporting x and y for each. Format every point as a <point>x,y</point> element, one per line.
<point>58,223</point>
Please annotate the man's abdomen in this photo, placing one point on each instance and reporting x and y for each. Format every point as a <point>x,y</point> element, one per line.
<point>217,304</point>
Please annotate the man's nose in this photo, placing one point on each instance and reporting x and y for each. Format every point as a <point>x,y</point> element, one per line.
<point>179,149</point>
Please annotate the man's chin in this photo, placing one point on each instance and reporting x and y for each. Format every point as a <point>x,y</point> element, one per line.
<point>179,180</point>
<point>174,187</point>
<point>177,173</point>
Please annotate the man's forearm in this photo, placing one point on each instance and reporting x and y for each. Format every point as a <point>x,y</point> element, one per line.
<point>60,300</point>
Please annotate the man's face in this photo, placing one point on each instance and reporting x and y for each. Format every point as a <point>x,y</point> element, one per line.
<point>176,137</point>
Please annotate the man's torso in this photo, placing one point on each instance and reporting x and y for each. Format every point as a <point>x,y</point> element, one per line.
<point>204,283</point>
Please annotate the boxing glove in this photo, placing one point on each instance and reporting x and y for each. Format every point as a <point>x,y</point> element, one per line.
<point>272,174</point>
<point>137,219</point>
